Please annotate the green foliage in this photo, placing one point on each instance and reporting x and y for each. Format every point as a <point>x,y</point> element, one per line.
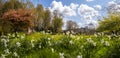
<point>111,24</point>
<point>57,23</point>
<point>46,20</point>
<point>11,4</point>
<point>44,45</point>
<point>39,17</point>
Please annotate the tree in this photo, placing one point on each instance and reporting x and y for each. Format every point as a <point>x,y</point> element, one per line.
<point>57,23</point>
<point>11,4</point>
<point>46,20</point>
<point>39,17</point>
<point>71,25</point>
<point>110,24</point>
<point>17,20</point>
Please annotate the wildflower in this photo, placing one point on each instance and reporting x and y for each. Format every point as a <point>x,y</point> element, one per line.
<point>61,55</point>
<point>39,46</point>
<point>32,40</point>
<point>15,54</point>
<point>102,41</point>
<point>52,50</point>
<point>9,34</point>
<point>49,43</point>
<point>95,35</point>
<point>114,35</point>
<point>68,32</point>
<point>13,35</point>
<point>6,51</point>
<point>89,40</point>
<point>22,36</point>
<point>3,56</point>
<point>3,36</point>
<point>18,35</point>
<point>107,43</point>
<point>102,34</point>
<point>49,38</point>
<point>94,43</point>
<point>72,36</point>
<point>109,37</point>
<point>5,41</point>
<point>79,56</point>
<point>18,44</point>
<point>71,42</point>
<point>99,34</point>
<point>43,32</point>
<point>32,43</point>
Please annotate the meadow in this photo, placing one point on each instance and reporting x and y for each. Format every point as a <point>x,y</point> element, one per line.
<point>46,45</point>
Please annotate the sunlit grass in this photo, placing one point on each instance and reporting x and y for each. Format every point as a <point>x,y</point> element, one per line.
<point>46,45</point>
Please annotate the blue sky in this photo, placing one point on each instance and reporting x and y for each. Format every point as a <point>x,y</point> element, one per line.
<point>81,11</point>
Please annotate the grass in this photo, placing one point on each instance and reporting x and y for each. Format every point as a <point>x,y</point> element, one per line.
<point>45,45</point>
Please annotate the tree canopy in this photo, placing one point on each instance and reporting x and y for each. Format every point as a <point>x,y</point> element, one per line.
<point>110,24</point>
<point>19,20</point>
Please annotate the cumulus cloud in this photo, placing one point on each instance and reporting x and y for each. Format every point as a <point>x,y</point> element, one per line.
<point>98,7</point>
<point>73,6</point>
<point>92,23</point>
<point>89,0</point>
<point>112,3</point>
<point>87,12</point>
<point>113,6</point>
<point>63,9</point>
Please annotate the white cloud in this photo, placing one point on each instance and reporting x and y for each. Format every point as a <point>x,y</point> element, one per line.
<point>56,6</point>
<point>113,6</point>
<point>93,23</point>
<point>89,0</point>
<point>112,3</point>
<point>73,6</point>
<point>87,12</point>
<point>68,11</point>
<point>98,7</point>
<point>63,9</point>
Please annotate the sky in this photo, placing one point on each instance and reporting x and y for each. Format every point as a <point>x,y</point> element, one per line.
<point>83,12</point>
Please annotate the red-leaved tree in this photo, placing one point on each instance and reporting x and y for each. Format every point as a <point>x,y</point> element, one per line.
<point>18,20</point>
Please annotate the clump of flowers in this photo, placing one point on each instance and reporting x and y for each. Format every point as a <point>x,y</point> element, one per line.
<point>18,44</point>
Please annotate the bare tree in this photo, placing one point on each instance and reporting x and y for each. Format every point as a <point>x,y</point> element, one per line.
<point>71,25</point>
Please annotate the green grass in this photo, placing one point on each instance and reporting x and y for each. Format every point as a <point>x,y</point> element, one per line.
<point>44,45</point>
